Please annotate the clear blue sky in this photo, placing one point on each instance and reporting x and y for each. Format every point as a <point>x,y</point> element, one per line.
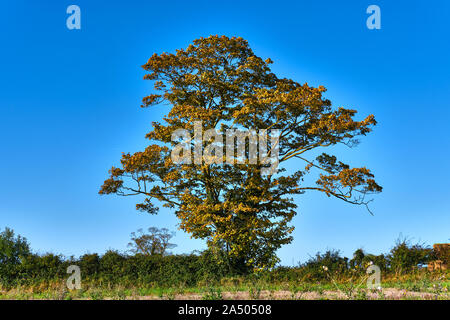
<point>69,105</point>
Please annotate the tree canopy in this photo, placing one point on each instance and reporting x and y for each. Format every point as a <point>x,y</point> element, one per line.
<point>12,248</point>
<point>243,214</point>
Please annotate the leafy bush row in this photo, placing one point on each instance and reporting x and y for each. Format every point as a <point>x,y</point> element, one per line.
<point>19,266</point>
<point>116,268</point>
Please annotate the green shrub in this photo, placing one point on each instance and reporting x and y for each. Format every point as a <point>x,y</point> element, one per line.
<point>361,260</point>
<point>331,261</point>
<point>89,264</point>
<point>404,256</point>
<point>12,248</point>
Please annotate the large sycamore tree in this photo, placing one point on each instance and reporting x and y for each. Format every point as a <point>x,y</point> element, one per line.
<point>243,214</point>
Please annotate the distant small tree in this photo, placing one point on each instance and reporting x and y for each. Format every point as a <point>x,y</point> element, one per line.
<point>155,242</point>
<point>12,247</point>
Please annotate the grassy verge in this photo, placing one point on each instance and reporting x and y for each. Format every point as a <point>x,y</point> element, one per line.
<point>421,285</point>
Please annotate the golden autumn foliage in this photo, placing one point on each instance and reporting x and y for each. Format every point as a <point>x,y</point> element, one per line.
<point>241,213</point>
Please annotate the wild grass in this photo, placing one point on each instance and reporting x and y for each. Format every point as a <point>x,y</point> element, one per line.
<point>418,285</point>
